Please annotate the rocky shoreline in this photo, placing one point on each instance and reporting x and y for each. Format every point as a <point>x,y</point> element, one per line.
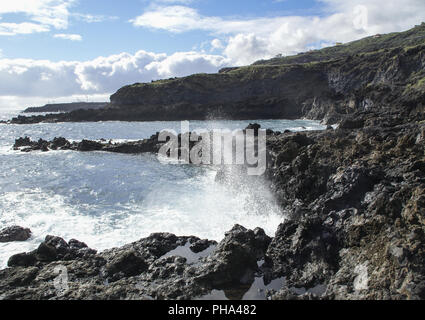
<point>151,145</point>
<point>354,196</point>
<point>355,199</point>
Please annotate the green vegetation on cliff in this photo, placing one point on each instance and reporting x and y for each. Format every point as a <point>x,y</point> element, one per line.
<point>412,37</point>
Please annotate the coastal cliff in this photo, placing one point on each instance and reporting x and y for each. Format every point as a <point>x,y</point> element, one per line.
<point>385,73</point>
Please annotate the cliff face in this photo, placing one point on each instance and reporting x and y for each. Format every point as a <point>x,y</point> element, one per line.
<point>374,73</point>
<point>325,84</point>
<point>389,78</point>
<point>246,93</point>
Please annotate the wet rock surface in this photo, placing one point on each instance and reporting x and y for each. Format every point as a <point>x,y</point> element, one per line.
<point>140,270</point>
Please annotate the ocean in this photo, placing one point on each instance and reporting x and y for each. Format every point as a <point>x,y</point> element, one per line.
<point>108,200</point>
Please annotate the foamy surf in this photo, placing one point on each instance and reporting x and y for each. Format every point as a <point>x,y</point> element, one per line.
<point>108,200</point>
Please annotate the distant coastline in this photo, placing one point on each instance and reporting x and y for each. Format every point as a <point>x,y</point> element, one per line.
<point>67,107</point>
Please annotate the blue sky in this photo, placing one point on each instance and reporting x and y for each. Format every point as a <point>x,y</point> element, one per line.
<point>68,50</point>
<point>115,34</point>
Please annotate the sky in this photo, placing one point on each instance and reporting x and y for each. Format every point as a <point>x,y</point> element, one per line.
<point>85,50</point>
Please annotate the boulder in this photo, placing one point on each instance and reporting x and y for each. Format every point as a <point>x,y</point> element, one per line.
<point>14,233</point>
<point>235,259</point>
<point>22,260</point>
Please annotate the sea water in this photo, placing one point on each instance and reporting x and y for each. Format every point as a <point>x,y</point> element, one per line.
<point>108,200</point>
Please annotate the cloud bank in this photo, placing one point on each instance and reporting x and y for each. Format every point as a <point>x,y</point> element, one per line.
<point>103,75</point>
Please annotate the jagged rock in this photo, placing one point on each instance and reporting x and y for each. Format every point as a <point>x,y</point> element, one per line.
<point>21,142</point>
<point>151,145</point>
<point>235,258</point>
<point>14,233</point>
<point>46,252</point>
<point>52,249</point>
<point>136,271</point>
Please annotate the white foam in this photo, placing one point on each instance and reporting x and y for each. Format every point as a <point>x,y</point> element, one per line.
<point>108,200</point>
<point>207,213</point>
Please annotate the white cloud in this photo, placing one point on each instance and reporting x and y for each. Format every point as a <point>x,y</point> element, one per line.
<point>42,15</point>
<point>101,76</point>
<point>185,63</point>
<point>248,40</point>
<point>216,44</point>
<point>67,36</point>
<point>89,18</point>
<point>174,19</point>
<point>11,29</point>
<point>246,48</point>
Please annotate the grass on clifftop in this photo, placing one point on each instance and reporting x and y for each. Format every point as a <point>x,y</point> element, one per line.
<point>409,40</point>
<point>240,74</point>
